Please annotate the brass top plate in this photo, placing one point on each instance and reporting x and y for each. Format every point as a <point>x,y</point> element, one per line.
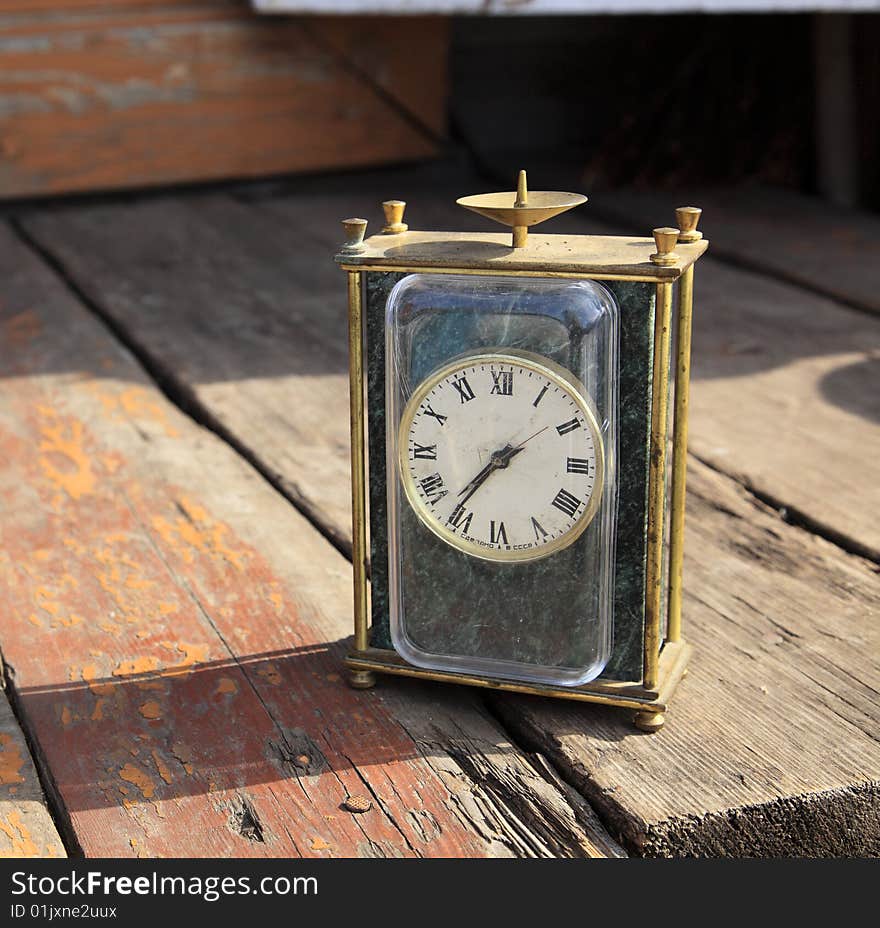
<point>588,255</point>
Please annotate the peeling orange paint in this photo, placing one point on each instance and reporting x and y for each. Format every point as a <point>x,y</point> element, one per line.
<point>137,777</point>
<point>89,674</point>
<point>136,403</point>
<point>11,761</point>
<point>195,531</point>
<point>151,710</point>
<point>19,836</point>
<point>112,462</point>
<point>135,666</point>
<point>34,620</point>
<point>63,459</point>
<point>183,754</point>
<point>192,654</point>
<point>277,601</point>
<point>225,685</point>
<point>66,716</point>
<point>98,712</point>
<point>162,767</point>
<point>318,844</point>
<point>45,600</point>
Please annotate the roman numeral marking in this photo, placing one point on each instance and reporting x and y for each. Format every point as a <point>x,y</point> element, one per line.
<point>433,488</point>
<point>458,519</point>
<point>430,412</point>
<point>567,427</point>
<point>502,383</point>
<point>568,503</point>
<point>465,392</point>
<point>497,536</point>
<point>536,525</point>
<point>578,466</point>
<point>540,396</point>
<point>425,452</point>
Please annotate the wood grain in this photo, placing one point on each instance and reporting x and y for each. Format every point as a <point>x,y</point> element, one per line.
<point>26,825</point>
<point>784,622</point>
<point>175,631</point>
<point>784,395</point>
<point>119,98</point>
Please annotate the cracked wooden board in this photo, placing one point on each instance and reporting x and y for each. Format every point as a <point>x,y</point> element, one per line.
<point>174,631</point>
<point>288,319</point>
<point>26,825</point>
<point>106,98</point>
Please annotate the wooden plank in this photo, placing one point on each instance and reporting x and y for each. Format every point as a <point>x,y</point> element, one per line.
<point>175,632</point>
<point>26,825</point>
<point>104,99</point>
<point>828,249</point>
<point>800,367</point>
<point>769,606</point>
<point>771,748</point>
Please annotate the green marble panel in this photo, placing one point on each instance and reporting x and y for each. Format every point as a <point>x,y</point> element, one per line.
<point>465,585</point>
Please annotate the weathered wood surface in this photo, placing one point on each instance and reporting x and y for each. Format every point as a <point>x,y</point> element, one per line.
<point>26,826</point>
<point>784,622</point>
<point>772,747</point>
<point>103,98</point>
<point>829,249</point>
<point>173,631</point>
<point>786,398</point>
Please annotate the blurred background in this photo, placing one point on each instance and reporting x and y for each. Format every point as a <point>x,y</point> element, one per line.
<point>100,95</point>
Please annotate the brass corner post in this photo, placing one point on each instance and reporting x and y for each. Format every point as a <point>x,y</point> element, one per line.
<point>679,453</point>
<point>657,483</point>
<point>358,483</point>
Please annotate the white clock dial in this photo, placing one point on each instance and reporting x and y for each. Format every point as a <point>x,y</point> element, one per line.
<point>500,455</point>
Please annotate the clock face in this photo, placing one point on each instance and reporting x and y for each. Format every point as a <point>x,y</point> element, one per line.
<point>501,456</point>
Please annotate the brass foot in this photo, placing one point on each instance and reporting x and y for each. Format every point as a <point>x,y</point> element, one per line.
<point>361,679</point>
<point>649,720</point>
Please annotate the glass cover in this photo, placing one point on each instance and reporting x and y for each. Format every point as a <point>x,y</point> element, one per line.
<point>502,492</point>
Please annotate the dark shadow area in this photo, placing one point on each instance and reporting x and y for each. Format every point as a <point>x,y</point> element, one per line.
<point>178,732</point>
<point>855,388</point>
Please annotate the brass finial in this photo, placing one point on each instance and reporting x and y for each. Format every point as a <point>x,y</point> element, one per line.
<point>354,236</point>
<point>521,232</point>
<point>665,239</point>
<point>394,223</point>
<point>522,190</point>
<point>687,218</point>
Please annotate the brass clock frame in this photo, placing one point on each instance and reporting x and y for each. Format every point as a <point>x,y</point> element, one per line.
<point>665,655</point>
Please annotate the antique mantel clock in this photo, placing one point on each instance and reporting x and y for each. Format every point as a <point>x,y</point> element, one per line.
<point>510,431</point>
